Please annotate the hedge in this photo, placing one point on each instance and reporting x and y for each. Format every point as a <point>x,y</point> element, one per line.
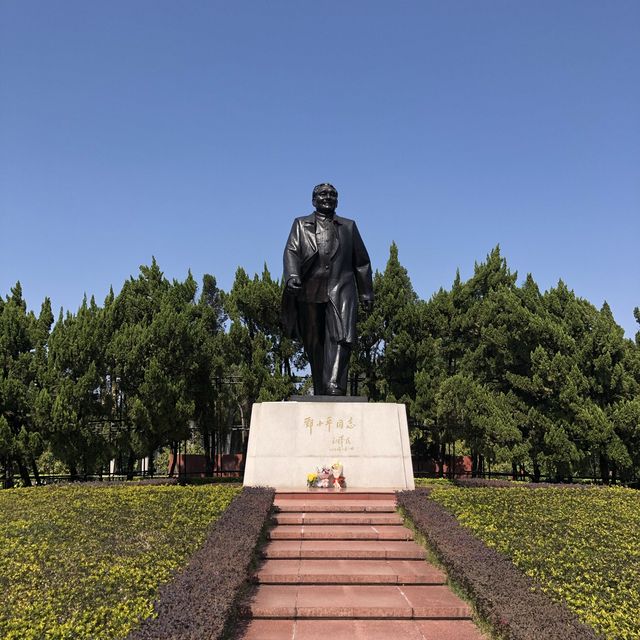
<point>502,595</point>
<point>200,603</point>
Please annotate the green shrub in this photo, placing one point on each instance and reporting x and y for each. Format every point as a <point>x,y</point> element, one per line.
<point>582,546</point>
<point>86,562</point>
<point>433,482</point>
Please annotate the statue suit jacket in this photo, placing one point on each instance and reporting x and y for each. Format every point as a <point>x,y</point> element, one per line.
<point>349,275</point>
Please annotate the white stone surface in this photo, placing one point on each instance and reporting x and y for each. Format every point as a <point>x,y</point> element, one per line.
<point>288,440</point>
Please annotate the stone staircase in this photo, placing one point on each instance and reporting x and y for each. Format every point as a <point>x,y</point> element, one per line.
<point>343,566</point>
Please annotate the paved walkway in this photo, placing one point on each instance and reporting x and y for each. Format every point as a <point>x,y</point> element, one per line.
<point>343,566</point>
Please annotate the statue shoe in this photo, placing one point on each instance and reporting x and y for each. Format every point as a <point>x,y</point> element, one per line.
<point>333,390</point>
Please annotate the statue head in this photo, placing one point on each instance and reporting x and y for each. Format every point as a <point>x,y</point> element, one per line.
<point>325,198</point>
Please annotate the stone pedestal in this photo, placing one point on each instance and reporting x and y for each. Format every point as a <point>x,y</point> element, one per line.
<point>288,440</point>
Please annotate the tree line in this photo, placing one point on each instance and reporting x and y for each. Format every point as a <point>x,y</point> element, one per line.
<point>539,383</point>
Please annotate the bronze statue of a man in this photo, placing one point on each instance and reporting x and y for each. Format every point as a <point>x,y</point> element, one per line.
<point>326,270</point>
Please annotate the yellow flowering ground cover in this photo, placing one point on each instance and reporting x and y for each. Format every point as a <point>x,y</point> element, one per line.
<point>86,562</point>
<point>432,482</point>
<point>581,545</point>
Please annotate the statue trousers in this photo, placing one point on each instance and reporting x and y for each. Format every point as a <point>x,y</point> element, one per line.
<point>319,327</point>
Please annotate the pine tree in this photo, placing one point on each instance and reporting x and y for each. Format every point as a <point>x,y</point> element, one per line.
<point>386,353</point>
<point>77,390</point>
<point>23,355</point>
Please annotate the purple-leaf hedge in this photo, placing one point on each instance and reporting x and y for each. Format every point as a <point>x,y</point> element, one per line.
<point>500,592</point>
<point>200,601</point>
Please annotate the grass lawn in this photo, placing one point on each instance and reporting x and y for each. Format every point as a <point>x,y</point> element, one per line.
<point>86,562</point>
<point>581,545</point>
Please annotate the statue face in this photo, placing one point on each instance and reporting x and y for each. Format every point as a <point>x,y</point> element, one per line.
<point>325,199</point>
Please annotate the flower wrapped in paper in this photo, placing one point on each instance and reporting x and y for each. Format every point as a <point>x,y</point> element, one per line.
<point>326,476</point>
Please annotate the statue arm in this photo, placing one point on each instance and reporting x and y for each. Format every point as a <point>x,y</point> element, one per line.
<point>362,268</point>
<point>291,258</point>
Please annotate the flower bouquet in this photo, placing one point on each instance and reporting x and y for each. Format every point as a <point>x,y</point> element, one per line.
<point>326,476</point>
<point>336,472</point>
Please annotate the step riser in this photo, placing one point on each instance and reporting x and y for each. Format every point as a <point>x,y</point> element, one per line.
<point>350,535</point>
<point>346,579</point>
<point>320,508</point>
<point>295,601</point>
<point>346,555</point>
<point>340,532</point>
<point>358,613</point>
<point>332,495</point>
<point>336,519</point>
<point>370,629</point>
<point>336,555</point>
<point>351,613</point>
<point>343,549</point>
<point>338,572</point>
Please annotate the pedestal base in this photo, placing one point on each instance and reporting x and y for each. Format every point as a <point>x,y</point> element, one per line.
<point>288,440</point>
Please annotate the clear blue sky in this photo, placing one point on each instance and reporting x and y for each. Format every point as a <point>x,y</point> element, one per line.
<point>195,130</point>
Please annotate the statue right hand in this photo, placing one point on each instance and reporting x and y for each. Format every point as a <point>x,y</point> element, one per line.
<point>294,284</point>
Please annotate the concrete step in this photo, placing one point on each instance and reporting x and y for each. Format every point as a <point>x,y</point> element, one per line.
<point>345,517</point>
<point>340,532</point>
<point>341,565</point>
<point>344,549</point>
<point>335,506</point>
<point>348,572</point>
<point>354,601</point>
<point>360,630</point>
<point>332,494</point>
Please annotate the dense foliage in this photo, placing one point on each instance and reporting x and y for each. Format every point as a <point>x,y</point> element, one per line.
<point>504,596</point>
<point>537,383</point>
<point>582,546</point>
<point>84,562</point>
<point>200,603</point>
